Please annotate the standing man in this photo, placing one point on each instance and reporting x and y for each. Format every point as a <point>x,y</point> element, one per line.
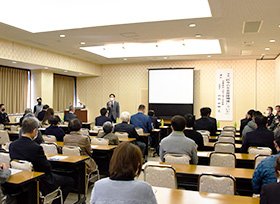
<point>4,118</point>
<point>270,115</point>
<point>113,108</point>
<point>38,107</point>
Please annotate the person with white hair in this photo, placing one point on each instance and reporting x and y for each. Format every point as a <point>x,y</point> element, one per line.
<point>108,134</point>
<point>130,129</point>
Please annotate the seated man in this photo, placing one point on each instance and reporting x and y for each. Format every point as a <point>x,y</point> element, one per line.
<point>53,129</point>
<point>4,118</point>
<point>42,113</point>
<point>177,142</point>
<point>25,148</point>
<point>250,125</point>
<point>155,123</point>
<point>244,121</point>
<point>204,123</point>
<point>275,122</point>
<point>214,121</point>
<point>261,137</point>
<point>100,120</point>
<point>192,134</point>
<point>130,129</point>
<point>70,116</point>
<point>264,173</point>
<point>140,120</point>
<point>107,134</point>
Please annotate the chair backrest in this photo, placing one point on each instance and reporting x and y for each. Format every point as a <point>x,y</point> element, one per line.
<point>204,132</point>
<point>223,159</point>
<point>49,148</point>
<point>2,127</point>
<point>14,127</point>
<point>260,150</point>
<point>99,141</point>
<point>97,128</point>
<point>215,183</point>
<point>160,176</point>
<point>71,150</point>
<point>258,159</point>
<point>84,131</point>
<point>22,165</point>
<point>121,134</point>
<point>226,139</point>
<point>224,147</point>
<point>227,133</point>
<point>49,138</point>
<point>205,139</point>
<point>4,137</point>
<point>139,130</point>
<point>229,128</point>
<point>5,158</point>
<point>177,158</point>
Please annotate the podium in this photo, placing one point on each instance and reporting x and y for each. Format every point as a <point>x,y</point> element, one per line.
<point>82,115</point>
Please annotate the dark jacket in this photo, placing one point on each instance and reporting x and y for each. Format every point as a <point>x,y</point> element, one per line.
<point>214,121</point>
<point>70,116</point>
<point>269,193</point>
<point>140,120</point>
<point>243,123</point>
<point>205,124</point>
<point>125,127</point>
<point>41,115</point>
<point>195,136</point>
<point>56,131</point>
<point>100,120</point>
<point>261,137</point>
<point>154,121</point>
<point>4,118</point>
<point>270,119</point>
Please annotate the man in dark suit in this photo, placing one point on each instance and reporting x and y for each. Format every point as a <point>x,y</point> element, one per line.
<point>113,108</point>
<point>192,134</point>
<point>140,120</point>
<point>244,122</point>
<point>42,114</point>
<point>26,149</point>
<point>261,137</point>
<point>100,120</point>
<point>270,116</point>
<point>4,118</point>
<point>204,123</point>
<point>275,122</point>
<point>71,115</point>
<point>130,129</point>
<point>154,119</point>
<point>214,121</point>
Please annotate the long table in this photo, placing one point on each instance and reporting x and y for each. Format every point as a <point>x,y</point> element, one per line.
<point>176,196</point>
<point>187,175</point>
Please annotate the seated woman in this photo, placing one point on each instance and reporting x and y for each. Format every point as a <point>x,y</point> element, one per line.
<point>120,187</point>
<point>75,138</point>
<point>269,193</point>
<point>107,134</point>
<point>53,129</point>
<point>48,115</point>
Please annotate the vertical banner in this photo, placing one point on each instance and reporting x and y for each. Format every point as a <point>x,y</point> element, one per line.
<point>224,94</point>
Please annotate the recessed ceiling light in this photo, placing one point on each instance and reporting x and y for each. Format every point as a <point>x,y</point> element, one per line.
<point>263,54</point>
<point>267,48</point>
<point>83,43</point>
<point>14,62</point>
<point>62,36</point>
<point>165,48</point>
<point>164,57</point>
<point>209,56</point>
<point>124,59</point>
<point>198,35</point>
<point>192,25</point>
<point>272,40</point>
<point>80,73</point>
<point>46,68</point>
<point>65,71</point>
<point>83,17</point>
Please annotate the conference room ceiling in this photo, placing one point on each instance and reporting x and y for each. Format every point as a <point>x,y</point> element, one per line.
<point>231,23</point>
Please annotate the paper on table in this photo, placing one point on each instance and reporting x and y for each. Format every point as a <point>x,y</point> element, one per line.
<point>57,158</point>
<point>93,146</point>
<point>14,171</point>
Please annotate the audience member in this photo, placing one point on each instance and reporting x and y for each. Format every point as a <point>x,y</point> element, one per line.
<point>26,111</point>
<point>261,137</point>
<point>250,125</point>
<point>42,113</point>
<point>53,129</point>
<point>269,192</point>
<point>204,123</point>
<point>71,115</point>
<point>121,187</point>
<point>214,121</point>
<point>113,108</point>
<point>130,129</point>
<point>191,133</point>
<point>75,138</point>
<point>5,174</point>
<point>100,120</point>
<point>264,173</point>
<point>270,116</point>
<point>38,107</point>
<point>244,122</point>
<point>154,119</point>
<point>26,149</point>
<point>4,118</point>
<point>177,142</point>
<point>107,134</point>
<point>276,119</point>
<point>48,115</point>
<point>140,120</point>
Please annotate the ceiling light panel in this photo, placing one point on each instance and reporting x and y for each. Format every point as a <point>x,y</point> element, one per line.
<point>163,48</point>
<point>34,16</point>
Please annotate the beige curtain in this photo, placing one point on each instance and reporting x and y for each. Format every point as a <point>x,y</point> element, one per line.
<point>13,89</point>
<point>63,92</point>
